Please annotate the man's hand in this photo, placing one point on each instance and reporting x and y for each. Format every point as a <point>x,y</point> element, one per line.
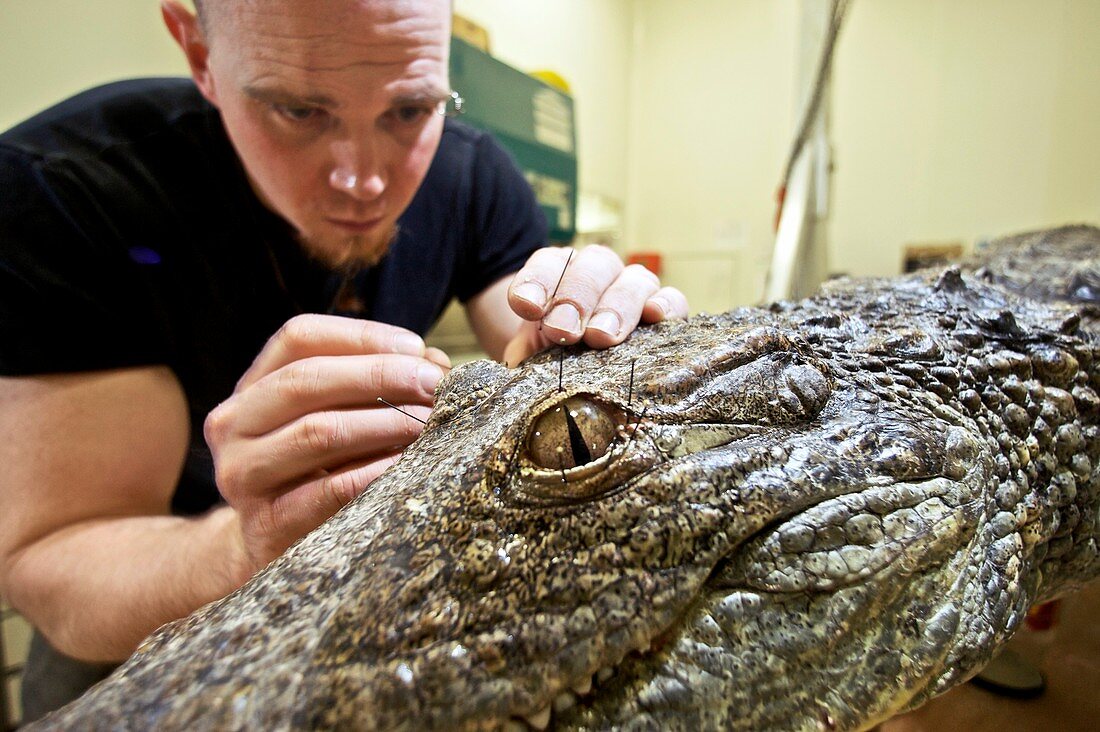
<point>304,432</point>
<point>598,300</point>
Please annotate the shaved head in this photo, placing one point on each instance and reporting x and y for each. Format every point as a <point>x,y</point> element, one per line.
<point>203,12</point>
<point>331,105</point>
<point>210,13</point>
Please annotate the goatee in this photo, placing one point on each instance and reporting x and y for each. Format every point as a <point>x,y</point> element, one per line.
<point>355,253</point>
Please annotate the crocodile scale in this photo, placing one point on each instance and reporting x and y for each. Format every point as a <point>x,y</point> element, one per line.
<point>812,515</point>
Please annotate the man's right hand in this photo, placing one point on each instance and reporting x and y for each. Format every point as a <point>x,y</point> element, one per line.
<point>304,432</point>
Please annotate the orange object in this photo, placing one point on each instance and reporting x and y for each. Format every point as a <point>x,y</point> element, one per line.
<point>780,199</point>
<point>649,260</point>
<point>1044,616</point>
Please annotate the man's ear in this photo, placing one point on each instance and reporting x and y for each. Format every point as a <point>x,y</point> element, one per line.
<point>185,28</point>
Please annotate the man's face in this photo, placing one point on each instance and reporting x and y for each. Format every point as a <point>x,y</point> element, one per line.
<point>332,108</point>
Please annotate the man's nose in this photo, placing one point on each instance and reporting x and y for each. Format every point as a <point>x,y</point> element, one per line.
<point>356,171</point>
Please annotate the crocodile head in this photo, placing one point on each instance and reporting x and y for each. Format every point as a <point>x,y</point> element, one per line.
<point>672,551</point>
<point>719,524</point>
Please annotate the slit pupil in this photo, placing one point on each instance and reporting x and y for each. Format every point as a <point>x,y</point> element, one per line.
<point>581,454</point>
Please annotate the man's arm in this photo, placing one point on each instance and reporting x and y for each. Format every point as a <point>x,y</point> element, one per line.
<point>88,551</point>
<point>561,299</point>
<point>492,321</point>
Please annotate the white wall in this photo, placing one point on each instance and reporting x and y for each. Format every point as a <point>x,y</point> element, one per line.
<point>50,49</point>
<point>951,120</point>
<point>962,120</point>
<point>710,124</point>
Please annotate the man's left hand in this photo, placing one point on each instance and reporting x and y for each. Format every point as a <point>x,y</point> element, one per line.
<point>598,300</point>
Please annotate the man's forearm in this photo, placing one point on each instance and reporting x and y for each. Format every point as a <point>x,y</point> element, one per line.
<point>98,588</point>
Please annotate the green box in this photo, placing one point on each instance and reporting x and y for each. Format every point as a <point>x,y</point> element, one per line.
<point>532,120</point>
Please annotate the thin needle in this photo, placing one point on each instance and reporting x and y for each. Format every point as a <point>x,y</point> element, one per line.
<point>630,391</point>
<point>394,406</point>
<point>560,278</point>
<point>633,431</point>
<point>561,366</point>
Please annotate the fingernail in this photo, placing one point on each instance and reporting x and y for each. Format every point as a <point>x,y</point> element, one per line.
<point>661,304</point>
<point>564,317</point>
<point>606,321</point>
<point>429,376</point>
<point>438,357</point>
<point>532,292</point>
<point>408,343</point>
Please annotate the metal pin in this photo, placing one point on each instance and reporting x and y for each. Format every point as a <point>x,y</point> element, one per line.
<point>394,406</point>
<point>630,391</point>
<point>561,366</point>
<point>560,278</point>
<point>635,430</point>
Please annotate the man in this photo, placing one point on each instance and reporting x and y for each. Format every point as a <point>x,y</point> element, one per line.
<point>153,241</point>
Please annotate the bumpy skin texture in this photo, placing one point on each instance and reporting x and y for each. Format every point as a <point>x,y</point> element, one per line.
<point>810,516</point>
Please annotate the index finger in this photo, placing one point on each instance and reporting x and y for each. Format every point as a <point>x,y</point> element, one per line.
<point>309,335</point>
<point>534,285</point>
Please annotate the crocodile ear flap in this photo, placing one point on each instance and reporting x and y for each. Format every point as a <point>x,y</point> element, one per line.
<point>777,389</point>
<point>896,529</point>
<point>465,385</point>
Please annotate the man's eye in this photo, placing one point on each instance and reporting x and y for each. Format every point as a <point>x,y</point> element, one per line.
<point>298,114</point>
<point>409,115</point>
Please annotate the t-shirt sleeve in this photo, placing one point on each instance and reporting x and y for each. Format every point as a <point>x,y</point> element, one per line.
<point>70,299</point>
<point>506,223</point>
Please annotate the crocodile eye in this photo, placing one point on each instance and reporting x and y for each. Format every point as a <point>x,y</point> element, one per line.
<point>570,434</point>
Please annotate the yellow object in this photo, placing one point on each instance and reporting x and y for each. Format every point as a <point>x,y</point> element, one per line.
<point>469,31</point>
<point>553,79</point>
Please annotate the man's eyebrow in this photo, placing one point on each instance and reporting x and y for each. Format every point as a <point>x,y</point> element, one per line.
<point>281,96</point>
<point>430,94</point>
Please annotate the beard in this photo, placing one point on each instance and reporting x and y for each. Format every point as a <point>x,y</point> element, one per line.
<point>349,253</point>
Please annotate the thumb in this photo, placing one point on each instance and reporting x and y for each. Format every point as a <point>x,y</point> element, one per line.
<point>525,343</point>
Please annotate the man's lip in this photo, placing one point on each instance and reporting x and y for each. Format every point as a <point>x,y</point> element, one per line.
<point>355,224</point>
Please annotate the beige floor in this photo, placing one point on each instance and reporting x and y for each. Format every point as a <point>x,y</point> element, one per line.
<point>1069,657</point>
<point>15,639</point>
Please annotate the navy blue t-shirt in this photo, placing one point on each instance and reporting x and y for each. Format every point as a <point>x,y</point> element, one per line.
<point>129,236</point>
